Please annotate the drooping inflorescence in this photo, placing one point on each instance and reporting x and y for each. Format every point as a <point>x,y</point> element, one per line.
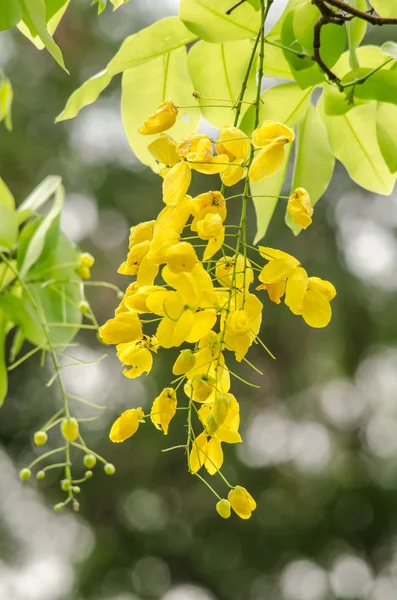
<point>197,289</point>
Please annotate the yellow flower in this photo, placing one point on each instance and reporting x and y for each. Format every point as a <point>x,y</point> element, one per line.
<point>181,257</point>
<point>70,429</point>
<point>164,118</point>
<point>300,208</point>
<point>176,183</point>
<point>206,451</point>
<point>242,326</point>
<point>184,363</point>
<point>137,355</point>
<point>164,150</point>
<point>203,159</point>
<point>235,144</point>
<point>86,262</point>
<point>125,327</point>
<point>241,502</point>
<point>140,233</point>
<point>210,228</point>
<point>134,258</point>
<point>207,203</point>
<point>280,266</point>
<point>135,297</point>
<point>271,137</point>
<point>189,144</point>
<point>126,425</point>
<point>164,409</point>
<point>228,268</point>
<point>316,308</point>
<point>221,418</point>
<point>223,508</point>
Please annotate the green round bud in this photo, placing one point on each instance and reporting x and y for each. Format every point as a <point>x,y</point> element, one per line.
<point>76,489</point>
<point>59,506</point>
<point>25,474</point>
<point>40,438</point>
<point>120,295</point>
<point>88,474</point>
<point>89,461</point>
<point>109,469</point>
<point>65,485</point>
<point>40,475</point>
<point>223,508</point>
<point>84,307</point>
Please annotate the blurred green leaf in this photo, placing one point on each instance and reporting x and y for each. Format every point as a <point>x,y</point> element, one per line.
<point>6,198</point>
<point>84,95</point>
<point>3,367</point>
<point>160,38</point>
<point>19,311</point>
<point>34,17</point>
<point>40,195</point>
<point>217,71</point>
<point>390,49</point>
<point>6,97</point>
<point>10,14</point>
<point>356,29</point>
<point>8,227</point>
<point>354,142</point>
<point>386,130</point>
<point>208,19</point>
<point>172,70</point>
<point>314,161</point>
<point>265,207</point>
<point>275,32</point>
<point>385,8</point>
<point>37,241</point>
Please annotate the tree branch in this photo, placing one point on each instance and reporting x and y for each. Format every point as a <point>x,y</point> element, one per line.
<point>365,16</point>
<point>232,8</point>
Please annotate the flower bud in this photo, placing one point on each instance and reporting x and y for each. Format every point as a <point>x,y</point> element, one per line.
<point>40,438</point>
<point>70,429</point>
<point>59,506</point>
<point>25,474</point>
<point>89,461</point>
<point>40,475</point>
<point>76,489</point>
<point>223,508</point>
<point>65,485</point>
<point>120,295</point>
<point>88,474</point>
<point>84,307</point>
<point>241,502</point>
<point>184,363</point>
<point>109,469</point>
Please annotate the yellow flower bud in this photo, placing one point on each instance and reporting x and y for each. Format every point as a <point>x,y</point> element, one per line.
<point>184,363</point>
<point>40,438</point>
<point>300,208</point>
<point>181,257</point>
<point>241,502</point>
<point>70,429</point>
<point>223,508</point>
<point>126,425</point>
<point>86,262</point>
<point>161,120</point>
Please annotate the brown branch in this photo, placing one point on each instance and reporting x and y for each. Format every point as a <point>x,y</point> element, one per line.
<point>232,8</point>
<point>365,16</point>
<point>323,20</point>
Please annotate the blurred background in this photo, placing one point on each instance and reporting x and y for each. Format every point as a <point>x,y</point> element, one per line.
<point>320,436</point>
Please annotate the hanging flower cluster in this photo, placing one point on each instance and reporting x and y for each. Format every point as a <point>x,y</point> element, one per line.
<point>192,287</point>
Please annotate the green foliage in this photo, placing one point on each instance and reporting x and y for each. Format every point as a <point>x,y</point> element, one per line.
<point>6,97</point>
<point>386,8</point>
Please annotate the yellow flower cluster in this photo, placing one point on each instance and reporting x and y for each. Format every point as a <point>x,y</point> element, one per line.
<point>206,301</point>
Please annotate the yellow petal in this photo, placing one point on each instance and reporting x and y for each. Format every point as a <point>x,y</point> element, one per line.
<point>278,270</point>
<point>214,245</point>
<point>233,142</point>
<point>295,290</point>
<point>269,131</point>
<point>214,459</point>
<point>233,174</point>
<point>203,323</point>
<point>267,161</point>
<point>147,272</point>
<point>323,286</point>
<point>161,120</point>
<point>164,409</point>
<point>126,425</point>
<point>125,327</point>
<point>300,208</point>
<point>316,309</point>
<point>140,359</point>
<point>198,452</point>
<point>181,257</point>
<point>164,150</point>
<point>183,327</point>
<point>176,183</point>
<point>241,502</point>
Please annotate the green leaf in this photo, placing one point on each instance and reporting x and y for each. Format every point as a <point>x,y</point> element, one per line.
<point>354,142</point>
<point>3,366</point>
<point>275,63</point>
<point>385,8</point>
<point>314,161</point>
<point>275,32</point>
<point>217,71</point>
<point>10,14</point>
<point>6,97</point>
<point>390,49</point>
<point>6,198</point>
<point>145,87</point>
<point>356,30</point>
<point>19,311</point>
<point>37,241</point>
<point>8,227</point>
<point>368,56</point>
<point>332,37</point>
<point>386,130</point>
<point>86,94</point>
<point>158,39</point>
<point>208,20</point>
<point>265,207</point>
<point>305,72</point>
<point>337,102</point>
<point>286,103</point>
<point>34,16</point>
<point>40,195</point>
<point>381,86</point>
